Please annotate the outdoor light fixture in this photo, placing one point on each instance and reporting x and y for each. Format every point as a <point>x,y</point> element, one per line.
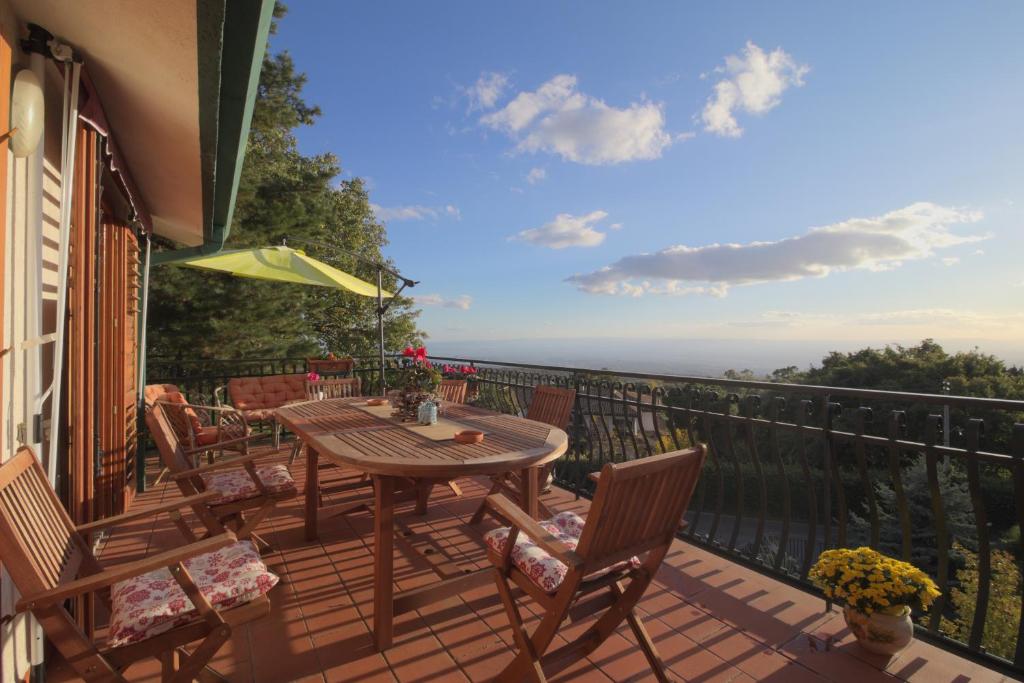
<point>26,114</point>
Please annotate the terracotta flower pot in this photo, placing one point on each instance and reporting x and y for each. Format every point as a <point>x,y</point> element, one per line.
<point>883,634</point>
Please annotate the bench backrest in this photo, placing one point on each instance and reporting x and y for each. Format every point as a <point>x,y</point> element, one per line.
<point>271,391</point>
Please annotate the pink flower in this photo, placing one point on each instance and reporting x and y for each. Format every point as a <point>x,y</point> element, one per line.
<point>312,376</point>
<point>421,353</point>
<point>409,352</point>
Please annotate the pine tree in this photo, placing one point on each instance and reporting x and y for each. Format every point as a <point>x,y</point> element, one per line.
<point>283,195</point>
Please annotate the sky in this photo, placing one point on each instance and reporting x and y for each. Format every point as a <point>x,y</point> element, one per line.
<point>740,171</point>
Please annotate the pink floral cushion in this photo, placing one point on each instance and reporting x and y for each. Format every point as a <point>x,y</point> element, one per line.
<point>236,484</point>
<point>544,570</point>
<point>154,603</point>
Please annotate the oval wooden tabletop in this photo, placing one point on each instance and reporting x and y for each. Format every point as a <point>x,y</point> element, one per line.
<point>342,432</point>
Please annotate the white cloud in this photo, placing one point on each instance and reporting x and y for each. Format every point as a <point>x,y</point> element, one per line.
<point>615,226</point>
<point>754,82</point>
<point>536,175</point>
<point>462,302</point>
<point>558,119</point>
<point>414,212</point>
<point>880,243</point>
<point>566,231</point>
<point>487,90</point>
<point>950,260</point>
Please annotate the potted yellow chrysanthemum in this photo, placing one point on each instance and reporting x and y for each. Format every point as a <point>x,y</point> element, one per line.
<point>877,594</point>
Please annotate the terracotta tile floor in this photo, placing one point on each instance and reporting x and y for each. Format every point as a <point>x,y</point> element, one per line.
<point>712,620</point>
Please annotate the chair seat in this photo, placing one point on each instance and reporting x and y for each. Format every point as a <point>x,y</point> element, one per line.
<point>236,484</point>
<point>543,569</point>
<point>154,603</point>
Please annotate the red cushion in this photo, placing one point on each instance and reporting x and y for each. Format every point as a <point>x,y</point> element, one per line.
<point>177,397</point>
<point>207,435</point>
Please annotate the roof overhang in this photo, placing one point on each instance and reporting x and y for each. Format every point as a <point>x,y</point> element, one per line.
<point>177,82</point>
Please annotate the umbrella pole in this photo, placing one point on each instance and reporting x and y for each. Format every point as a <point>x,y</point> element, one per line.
<point>380,327</point>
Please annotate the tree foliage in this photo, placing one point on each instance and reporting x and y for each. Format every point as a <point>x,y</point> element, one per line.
<point>283,195</point>
<point>999,635</point>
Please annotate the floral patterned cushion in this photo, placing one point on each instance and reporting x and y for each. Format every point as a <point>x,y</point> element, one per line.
<point>544,570</point>
<point>154,603</point>
<point>236,484</point>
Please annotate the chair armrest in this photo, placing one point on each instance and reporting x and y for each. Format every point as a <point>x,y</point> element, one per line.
<point>220,464</point>
<point>507,511</point>
<point>109,577</point>
<point>594,477</point>
<point>223,389</point>
<point>220,444</point>
<point>149,512</point>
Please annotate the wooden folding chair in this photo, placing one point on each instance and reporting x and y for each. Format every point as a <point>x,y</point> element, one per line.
<point>553,406</point>
<point>51,561</point>
<point>453,390</point>
<point>200,433</point>
<point>636,512</point>
<point>246,494</point>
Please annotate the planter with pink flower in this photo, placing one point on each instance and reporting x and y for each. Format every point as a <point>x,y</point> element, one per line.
<point>418,383</point>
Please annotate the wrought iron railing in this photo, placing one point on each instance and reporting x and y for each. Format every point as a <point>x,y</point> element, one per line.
<point>794,469</point>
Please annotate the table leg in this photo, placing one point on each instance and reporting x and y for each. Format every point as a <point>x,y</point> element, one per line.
<point>312,492</point>
<point>529,490</point>
<point>383,561</point>
<point>423,490</point>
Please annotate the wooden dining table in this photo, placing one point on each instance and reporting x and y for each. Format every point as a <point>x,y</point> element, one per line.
<point>402,457</point>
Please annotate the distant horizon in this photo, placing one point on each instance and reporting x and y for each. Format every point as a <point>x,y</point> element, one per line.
<point>696,356</point>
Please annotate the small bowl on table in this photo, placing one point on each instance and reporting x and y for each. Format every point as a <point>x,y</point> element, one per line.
<point>468,436</point>
<point>376,401</point>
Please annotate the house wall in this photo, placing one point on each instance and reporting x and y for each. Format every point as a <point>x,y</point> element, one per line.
<point>29,278</point>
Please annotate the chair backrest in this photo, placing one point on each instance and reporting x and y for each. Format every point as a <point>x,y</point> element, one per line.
<point>168,443</point>
<point>41,548</point>
<point>154,392</point>
<point>333,388</point>
<point>453,390</point>
<point>551,405</point>
<point>271,391</point>
<point>639,506</point>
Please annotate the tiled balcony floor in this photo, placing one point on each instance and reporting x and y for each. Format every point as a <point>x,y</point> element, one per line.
<point>712,620</point>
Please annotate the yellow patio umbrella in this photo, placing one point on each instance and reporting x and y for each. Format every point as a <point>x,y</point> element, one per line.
<point>283,264</point>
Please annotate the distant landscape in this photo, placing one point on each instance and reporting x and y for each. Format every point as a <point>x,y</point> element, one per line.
<point>701,357</point>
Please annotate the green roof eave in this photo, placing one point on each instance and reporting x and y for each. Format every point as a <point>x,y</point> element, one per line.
<point>232,39</point>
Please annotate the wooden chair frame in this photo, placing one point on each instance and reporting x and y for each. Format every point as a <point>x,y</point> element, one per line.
<point>229,422</point>
<point>322,389</point>
<point>190,481</point>
<point>553,406</point>
<point>51,561</point>
<point>637,510</point>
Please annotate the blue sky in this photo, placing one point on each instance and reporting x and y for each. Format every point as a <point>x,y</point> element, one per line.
<point>655,132</point>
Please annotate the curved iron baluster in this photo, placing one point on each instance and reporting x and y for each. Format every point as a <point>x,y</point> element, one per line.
<point>1017,452</point>
<point>602,422</point>
<point>776,408</point>
<point>639,388</point>
<point>831,472</point>
<point>897,426</point>
<point>628,423</point>
<point>804,411</point>
<point>861,417</point>
<point>749,406</point>
<point>975,432</point>
<point>730,443</point>
<point>932,430</point>
<point>707,399</point>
